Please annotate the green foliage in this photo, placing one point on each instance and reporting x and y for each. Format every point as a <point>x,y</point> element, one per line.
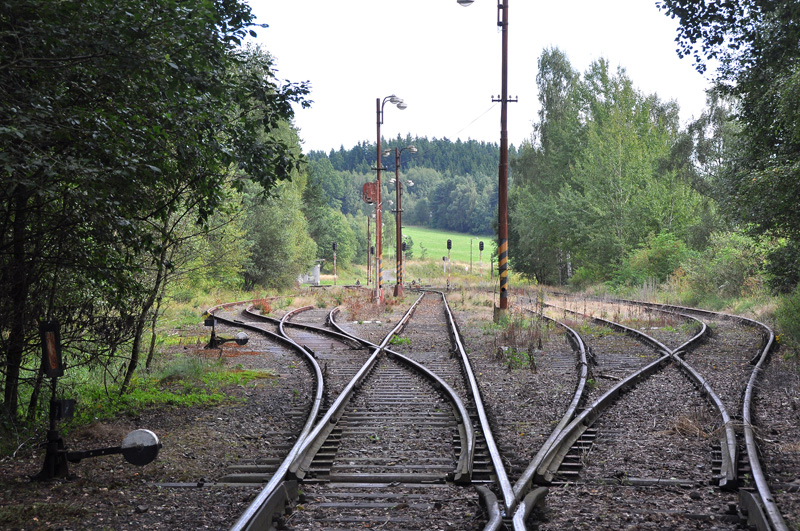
<point>755,45</point>
<point>519,338</point>
<point>119,119</point>
<point>783,266</point>
<point>397,340</point>
<point>444,156</point>
<point>188,381</point>
<point>598,177</point>
<point>655,260</point>
<point>727,268</point>
<point>449,178</point>
<point>327,226</point>
<point>281,246</point>
<point>519,359</point>
<point>585,276</point>
<point>787,315</point>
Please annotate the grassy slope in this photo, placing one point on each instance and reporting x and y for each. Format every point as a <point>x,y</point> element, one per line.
<point>435,243</point>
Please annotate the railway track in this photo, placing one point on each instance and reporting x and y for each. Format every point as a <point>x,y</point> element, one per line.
<point>395,435</point>
<point>643,422</point>
<point>724,368</point>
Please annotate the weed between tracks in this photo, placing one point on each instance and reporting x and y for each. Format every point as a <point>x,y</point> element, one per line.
<point>519,341</point>
<point>696,424</point>
<point>360,306</point>
<point>397,340</point>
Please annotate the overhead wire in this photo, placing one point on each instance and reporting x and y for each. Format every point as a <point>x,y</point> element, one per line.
<point>476,119</point>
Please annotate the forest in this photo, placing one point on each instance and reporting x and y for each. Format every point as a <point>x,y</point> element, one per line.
<point>154,155</point>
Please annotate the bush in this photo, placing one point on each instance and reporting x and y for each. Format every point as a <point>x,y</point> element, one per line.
<point>585,276</point>
<point>787,315</point>
<point>783,267</point>
<point>727,268</point>
<point>656,260</point>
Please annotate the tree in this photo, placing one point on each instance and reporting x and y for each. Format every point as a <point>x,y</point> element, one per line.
<point>594,182</point>
<point>277,231</point>
<point>115,115</point>
<point>538,245</point>
<point>756,44</point>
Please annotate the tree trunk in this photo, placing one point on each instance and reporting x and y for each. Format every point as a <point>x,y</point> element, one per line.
<point>141,321</point>
<point>153,324</point>
<point>18,291</point>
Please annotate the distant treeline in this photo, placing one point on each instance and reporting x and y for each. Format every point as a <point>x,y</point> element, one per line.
<point>454,183</point>
<point>445,156</point>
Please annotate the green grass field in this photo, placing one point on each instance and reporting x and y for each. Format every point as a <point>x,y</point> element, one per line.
<point>434,243</point>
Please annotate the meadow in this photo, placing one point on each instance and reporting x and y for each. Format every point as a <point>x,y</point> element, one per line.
<point>433,243</point>
<point>425,263</point>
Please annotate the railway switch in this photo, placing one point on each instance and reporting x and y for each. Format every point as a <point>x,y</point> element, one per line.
<point>139,447</point>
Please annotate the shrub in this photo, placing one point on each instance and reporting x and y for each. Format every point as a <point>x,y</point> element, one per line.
<point>585,276</point>
<point>656,260</point>
<point>726,268</point>
<point>787,315</point>
<point>263,305</point>
<point>783,267</point>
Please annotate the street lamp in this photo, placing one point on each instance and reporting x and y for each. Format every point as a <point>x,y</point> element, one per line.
<point>502,188</point>
<point>398,287</point>
<point>378,207</point>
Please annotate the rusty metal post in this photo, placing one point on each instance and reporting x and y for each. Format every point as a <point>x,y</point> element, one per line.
<point>379,297</point>
<point>369,255</point>
<point>378,224</point>
<point>398,287</point>
<point>502,189</point>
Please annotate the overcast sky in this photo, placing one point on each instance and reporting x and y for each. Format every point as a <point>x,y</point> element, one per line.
<point>444,61</point>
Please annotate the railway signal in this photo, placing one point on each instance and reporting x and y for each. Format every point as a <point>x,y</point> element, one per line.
<point>449,246</point>
<point>334,264</point>
<point>139,447</point>
<point>480,255</point>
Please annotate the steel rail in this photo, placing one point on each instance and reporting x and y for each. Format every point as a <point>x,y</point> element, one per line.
<point>728,479</point>
<point>259,514</point>
<point>551,460</point>
<point>489,500</point>
<point>344,338</point>
<point>463,472</point>
<point>502,477</point>
<point>325,425</point>
<point>531,500</point>
<point>730,451</point>
<point>773,517</point>
<point>523,484</point>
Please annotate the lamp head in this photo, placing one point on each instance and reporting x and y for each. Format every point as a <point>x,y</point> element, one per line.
<point>465,3</point>
<point>412,149</point>
<point>402,106</point>
<point>386,152</point>
<point>394,99</point>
